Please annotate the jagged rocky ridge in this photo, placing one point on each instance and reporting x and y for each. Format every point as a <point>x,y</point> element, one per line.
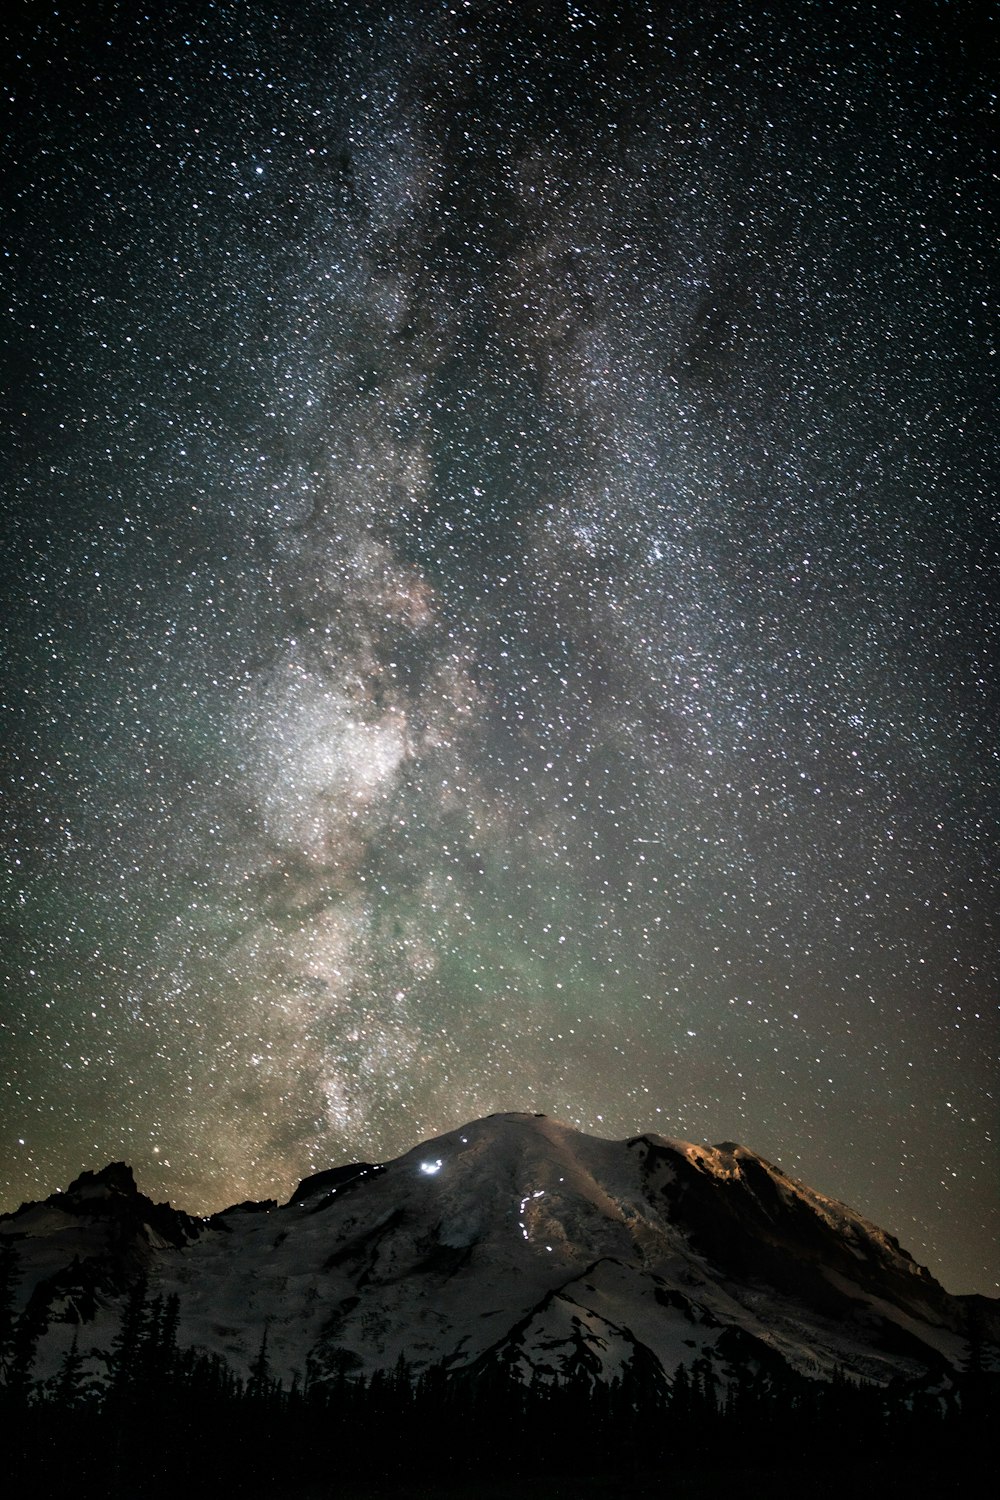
<point>513,1241</point>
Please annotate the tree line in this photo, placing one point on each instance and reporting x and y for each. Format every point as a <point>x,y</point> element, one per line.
<point>159,1416</point>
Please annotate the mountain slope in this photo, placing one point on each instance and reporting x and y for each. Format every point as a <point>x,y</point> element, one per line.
<point>512,1241</point>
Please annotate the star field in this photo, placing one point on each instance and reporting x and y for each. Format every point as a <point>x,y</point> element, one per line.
<point>501,571</point>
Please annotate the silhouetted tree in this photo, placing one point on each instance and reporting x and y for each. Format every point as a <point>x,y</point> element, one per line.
<point>31,1325</point>
<point>68,1387</point>
<point>260,1385</point>
<point>123,1360</point>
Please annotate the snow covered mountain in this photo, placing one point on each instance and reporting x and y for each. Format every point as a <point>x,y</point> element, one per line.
<point>513,1240</point>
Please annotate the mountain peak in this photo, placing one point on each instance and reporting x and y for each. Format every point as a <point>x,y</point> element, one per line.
<point>117,1177</point>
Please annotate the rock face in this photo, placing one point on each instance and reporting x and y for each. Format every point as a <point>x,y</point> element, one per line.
<point>83,1248</point>
<point>518,1241</point>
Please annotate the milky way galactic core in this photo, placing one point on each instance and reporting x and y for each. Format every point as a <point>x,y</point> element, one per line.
<point>500,569</point>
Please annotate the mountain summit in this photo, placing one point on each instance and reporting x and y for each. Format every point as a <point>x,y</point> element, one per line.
<point>512,1242</point>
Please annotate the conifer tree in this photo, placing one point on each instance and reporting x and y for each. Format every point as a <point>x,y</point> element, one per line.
<point>259,1385</point>
<point>124,1356</point>
<point>68,1385</point>
<point>31,1325</point>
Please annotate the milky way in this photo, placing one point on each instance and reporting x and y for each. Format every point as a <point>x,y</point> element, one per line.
<point>500,569</point>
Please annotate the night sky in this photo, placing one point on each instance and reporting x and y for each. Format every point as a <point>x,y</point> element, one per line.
<point>500,561</point>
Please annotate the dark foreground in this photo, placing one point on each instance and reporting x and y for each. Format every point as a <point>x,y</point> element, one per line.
<point>160,1421</point>
<point>895,1479</point>
<point>488,1438</point>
